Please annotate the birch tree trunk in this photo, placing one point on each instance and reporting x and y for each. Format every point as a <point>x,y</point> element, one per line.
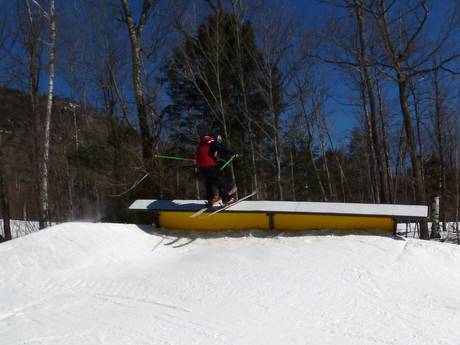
<point>439,125</point>
<point>44,171</point>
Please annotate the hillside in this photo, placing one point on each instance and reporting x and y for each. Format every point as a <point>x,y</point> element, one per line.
<point>83,283</point>
<point>89,151</point>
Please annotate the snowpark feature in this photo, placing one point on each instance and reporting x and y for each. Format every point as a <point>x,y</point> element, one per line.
<point>279,215</point>
<point>84,284</point>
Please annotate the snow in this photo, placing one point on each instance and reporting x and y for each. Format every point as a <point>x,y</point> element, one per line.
<point>85,283</point>
<point>393,210</point>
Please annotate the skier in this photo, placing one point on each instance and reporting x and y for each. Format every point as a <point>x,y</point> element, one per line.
<point>208,151</point>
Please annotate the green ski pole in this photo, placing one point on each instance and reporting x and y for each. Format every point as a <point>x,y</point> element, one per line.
<point>227,162</point>
<point>174,158</point>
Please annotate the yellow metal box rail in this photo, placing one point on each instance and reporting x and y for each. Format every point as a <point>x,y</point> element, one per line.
<point>281,215</point>
<point>266,221</point>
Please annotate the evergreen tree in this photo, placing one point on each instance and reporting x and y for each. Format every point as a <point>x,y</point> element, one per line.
<point>215,81</point>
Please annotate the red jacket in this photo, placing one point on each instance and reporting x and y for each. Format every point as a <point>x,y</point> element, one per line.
<point>204,155</point>
<point>208,151</point>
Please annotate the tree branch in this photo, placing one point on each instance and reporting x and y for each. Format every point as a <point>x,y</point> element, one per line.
<point>417,31</point>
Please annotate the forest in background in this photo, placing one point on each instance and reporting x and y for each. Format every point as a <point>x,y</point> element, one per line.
<point>93,90</point>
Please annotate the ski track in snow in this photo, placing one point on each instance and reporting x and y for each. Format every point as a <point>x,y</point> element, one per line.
<point>85,284</point>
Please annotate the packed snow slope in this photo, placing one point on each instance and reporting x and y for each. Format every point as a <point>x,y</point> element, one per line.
<point>84,284</point>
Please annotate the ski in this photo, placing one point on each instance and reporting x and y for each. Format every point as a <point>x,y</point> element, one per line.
<point>201,211</point>
<point>232,191</point>
<point>232,204</point>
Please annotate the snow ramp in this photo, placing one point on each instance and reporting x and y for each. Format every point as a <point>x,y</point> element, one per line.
<point>281,215</point>
<point>115,284</point>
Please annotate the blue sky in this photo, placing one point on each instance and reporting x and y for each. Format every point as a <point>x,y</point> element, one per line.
<point>341,118</point>
<point>309,13</point>
<point>341,114</point>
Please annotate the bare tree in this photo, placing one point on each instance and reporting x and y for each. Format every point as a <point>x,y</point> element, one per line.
<point>318,118</point>
<point>439,124</point>
<point>4,196</point>
<point>352,50</point>
<point>135,31</point>
<point>44,171</point>
<point>371,159</point>
<point>278,67</point>
<point>457,186</point>
<point>4,192</point>
<point>300,96</point>
<point>369,83</point>
<point>406,59</point>
<point>32,28</point>
<point>385,141</point>
<point>268,87</point>
<point>238,12</point>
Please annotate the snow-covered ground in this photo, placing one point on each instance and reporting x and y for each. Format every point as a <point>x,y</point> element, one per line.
<point>21,228</point>
<point>84,284</point>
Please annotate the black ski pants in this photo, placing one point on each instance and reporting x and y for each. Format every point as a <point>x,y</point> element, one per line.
<point>214,179</point>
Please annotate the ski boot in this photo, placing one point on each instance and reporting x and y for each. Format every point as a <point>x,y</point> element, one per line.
<point>214,201</point>
<point>230,201</point>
